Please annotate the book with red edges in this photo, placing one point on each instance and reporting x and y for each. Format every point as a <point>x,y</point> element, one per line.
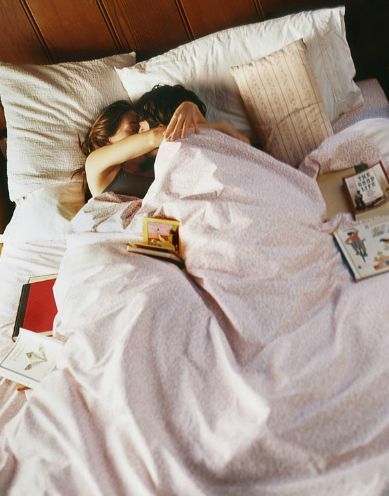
<point>37,307</point>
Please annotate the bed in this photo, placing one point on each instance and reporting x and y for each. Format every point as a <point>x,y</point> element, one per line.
<point>261,368</point>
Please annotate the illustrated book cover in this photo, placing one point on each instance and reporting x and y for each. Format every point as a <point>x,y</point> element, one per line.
<point>160,239</point>
<point>365,246</point>
<point>32,357</point>
<point>37,307</point>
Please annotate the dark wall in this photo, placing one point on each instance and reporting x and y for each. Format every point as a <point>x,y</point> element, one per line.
<point>6,207</point>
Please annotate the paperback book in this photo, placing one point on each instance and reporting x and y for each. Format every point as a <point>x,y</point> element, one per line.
<point>365,246</point>
<point>32,357</point>
<point>160,240</point>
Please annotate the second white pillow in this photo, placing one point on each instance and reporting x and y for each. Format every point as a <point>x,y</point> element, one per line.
<point>204,64</point>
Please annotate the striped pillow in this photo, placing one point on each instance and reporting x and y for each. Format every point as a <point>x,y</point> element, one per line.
<point>283,103</point>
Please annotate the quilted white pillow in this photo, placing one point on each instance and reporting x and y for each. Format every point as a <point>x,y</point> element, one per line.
<point>203,65</point>
<point>46,107</point>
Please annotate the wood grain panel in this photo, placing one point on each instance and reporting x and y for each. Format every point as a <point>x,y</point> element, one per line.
<point>210,16</point>
<point>74,30</point>
<point>149,27</point>
<point>19,41</point>
<point>6,207</point>
<point>2,121</point>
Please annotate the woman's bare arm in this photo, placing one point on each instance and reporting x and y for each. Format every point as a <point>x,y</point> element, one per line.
<point>115,154</point>
<point>103,164</point>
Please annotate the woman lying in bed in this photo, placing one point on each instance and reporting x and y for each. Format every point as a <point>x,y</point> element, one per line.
<point>122,143</point>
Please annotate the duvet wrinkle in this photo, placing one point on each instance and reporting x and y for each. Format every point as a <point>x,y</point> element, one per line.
<point>259,368</point>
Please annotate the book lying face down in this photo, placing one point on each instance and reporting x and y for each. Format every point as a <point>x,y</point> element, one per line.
<point>37,307</point>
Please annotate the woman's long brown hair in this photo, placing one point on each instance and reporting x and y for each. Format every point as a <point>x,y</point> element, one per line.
<point>104,126</point>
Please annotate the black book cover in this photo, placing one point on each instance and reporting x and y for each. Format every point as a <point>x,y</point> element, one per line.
<point>21,310</point>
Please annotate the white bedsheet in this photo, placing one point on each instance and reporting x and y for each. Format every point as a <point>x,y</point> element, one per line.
<point>34,244</point>
<point>261,370</point>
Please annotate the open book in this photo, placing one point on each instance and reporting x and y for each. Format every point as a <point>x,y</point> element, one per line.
<point>32,357</point>
<point>160,240</point>
<point>365,246</point>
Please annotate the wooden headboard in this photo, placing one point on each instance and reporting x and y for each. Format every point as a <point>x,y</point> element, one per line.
<point>49,31</point>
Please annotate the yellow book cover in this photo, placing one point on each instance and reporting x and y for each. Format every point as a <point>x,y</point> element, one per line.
<point>163,233</point>
<point>160,240</point>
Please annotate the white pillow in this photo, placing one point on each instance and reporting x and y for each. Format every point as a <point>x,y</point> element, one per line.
<point>203,65</point>
<point>46,107</point>
<point>365,141</point>
<point>377,131</point>
<point>45,214</point>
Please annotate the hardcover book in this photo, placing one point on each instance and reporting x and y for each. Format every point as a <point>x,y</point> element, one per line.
<point>339,190</point>
<point>37,307</point>
<point>367,191</point>
<point>365,246</point>
<point>32,357</point>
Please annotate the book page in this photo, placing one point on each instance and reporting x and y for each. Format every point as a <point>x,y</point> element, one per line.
<point>32,357</point>
<point>42,278</point>
<point>167,255</point>
<point>366,246</point>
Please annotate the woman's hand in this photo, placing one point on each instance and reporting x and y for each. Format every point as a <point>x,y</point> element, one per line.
<point>186,120</point>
